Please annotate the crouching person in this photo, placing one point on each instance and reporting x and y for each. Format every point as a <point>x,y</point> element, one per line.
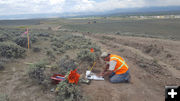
<point>117,69</point>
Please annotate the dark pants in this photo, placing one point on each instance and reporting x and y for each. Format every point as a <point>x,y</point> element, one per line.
<point>118,78</point>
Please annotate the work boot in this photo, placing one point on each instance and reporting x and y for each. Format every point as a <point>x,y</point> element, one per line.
<point>128,79</point>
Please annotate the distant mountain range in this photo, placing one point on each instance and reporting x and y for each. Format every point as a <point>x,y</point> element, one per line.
<point>116,12</point>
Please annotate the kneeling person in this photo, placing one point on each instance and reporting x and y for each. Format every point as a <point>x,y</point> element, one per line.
<point>117,69</point>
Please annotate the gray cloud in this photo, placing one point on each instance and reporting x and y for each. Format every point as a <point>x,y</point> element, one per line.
<point>60,6</point>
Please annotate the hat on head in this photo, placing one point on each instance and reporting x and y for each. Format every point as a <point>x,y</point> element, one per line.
<point>104,54</point>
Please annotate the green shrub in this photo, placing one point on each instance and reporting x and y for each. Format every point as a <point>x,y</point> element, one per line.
<point>33,38</point>
<point>8,49</point>
<point>58,43</point>
<point>4,97</point>
<point>118,33</point>
<point>36,49</point>
<point>43,34</point>
<point>68,42</point>
<point>1,65</point>
<point>86,55</point>
<point>66,64</point>
<point>9,33</point>
<point>61,51</point>
<point>50,53</point>
<point>4,37</point>
<point>69,92</point>
<point>37,72</point>
<point>54,39</point>
<point>22,41</point>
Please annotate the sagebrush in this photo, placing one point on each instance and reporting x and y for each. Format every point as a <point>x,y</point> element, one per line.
<point>66,64</point>
<point>37,73</point>
<point>4,97</point>
<point>23,42</point>
<point>9,50</point>
<point>69,92</point>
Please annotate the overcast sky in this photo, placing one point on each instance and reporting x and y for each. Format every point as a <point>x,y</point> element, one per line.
<point>60,6</point>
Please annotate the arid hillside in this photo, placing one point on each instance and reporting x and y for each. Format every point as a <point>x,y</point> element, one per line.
<point>151,48</point>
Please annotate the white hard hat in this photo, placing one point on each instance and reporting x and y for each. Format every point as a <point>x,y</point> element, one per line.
<point>104,54</point>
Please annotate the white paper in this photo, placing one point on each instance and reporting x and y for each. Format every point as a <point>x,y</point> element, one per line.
<point>92,76</point>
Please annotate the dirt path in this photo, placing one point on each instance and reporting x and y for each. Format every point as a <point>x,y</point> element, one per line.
<point>56,28</point>
<point>147,84</point>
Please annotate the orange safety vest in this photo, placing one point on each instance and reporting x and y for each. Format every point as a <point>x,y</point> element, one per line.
<point>121,66</point>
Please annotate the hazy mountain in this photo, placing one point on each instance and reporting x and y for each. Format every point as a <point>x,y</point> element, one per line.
<point>147,10</point>
<point>116,12</point>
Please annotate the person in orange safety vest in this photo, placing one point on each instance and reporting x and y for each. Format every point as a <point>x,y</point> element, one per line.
<point>117,69</point>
